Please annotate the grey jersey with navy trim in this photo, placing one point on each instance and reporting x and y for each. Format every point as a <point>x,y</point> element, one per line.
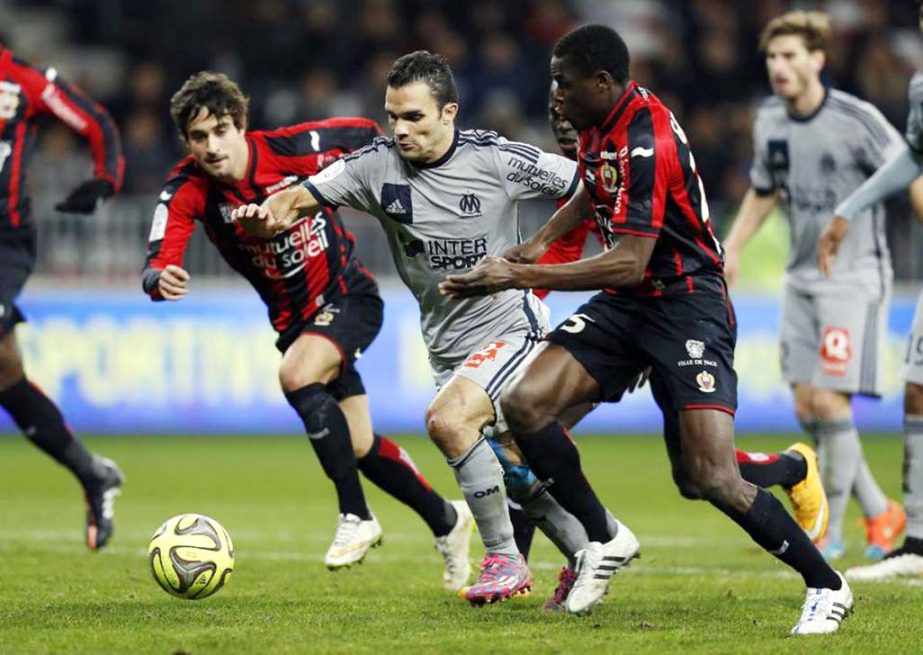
<point>444,217</point>
<point>815,162</point>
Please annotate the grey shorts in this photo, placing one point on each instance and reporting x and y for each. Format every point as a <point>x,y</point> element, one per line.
<point>834,340</point>
<point>912,370</point>
<point>491,366</point>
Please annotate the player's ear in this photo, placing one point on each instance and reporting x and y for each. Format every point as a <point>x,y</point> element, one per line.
<point>819,58</point>
<point>449,112</point>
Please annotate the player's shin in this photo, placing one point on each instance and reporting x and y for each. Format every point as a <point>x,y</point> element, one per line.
<point>913,474</point>
<point>328,432</point>
<point>391,469</point>
<point>770,526</point>
<point>554,459</point>
<point>480,478</point>
<point>42,423</point>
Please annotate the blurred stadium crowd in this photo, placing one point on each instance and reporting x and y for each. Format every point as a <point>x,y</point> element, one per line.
<point>305,59</point>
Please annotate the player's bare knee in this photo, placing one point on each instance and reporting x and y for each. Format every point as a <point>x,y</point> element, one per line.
<point>687,487</point>
<point>827,405</point>
<point>441,427</point>
<point>11,369</point>
<point>913,399</point>
<point>292,378</point>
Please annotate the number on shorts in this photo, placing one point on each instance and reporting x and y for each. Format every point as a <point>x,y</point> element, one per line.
<point>914,356</point>
<point>576,323</point>
<point>488,353</point>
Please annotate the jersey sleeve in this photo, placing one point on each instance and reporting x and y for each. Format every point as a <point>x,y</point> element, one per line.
<point>651,153</point>
<point>68,104</point>
<point>760,176</point>
<point>528,172</point>
<point>879,141</point>
<point>180,202</point>
<point>329,139</point>
<point>350,181</point>
<point>914,133</point>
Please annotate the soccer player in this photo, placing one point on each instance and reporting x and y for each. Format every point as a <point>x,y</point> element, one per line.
<point>812,145</point>
<point>898,172</point>
<point>446,198</point>
<point>795,469</point>
<point>322,302</point>
<point>28,94</point>
<point>663,305</point>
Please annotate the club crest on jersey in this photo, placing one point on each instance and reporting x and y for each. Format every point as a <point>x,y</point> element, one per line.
<point>326,316</point>
<point>470,205</point>
<point>706,382</point>
<point>609,176</point>
<point>9,99</point>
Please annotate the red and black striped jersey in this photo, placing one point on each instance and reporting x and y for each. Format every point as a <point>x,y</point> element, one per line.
<point>639,171</point>
<point>26,93</point>
<point>297,271</point>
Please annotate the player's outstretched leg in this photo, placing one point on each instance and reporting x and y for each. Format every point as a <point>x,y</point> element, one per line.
<point>42,423</point>
<point>391,468</point>
<point>704,468</point>
<point>328,431</point>
<point>795,470</point>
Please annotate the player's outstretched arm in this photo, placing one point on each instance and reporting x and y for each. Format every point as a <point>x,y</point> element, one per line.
<point>895,174</point>
<point>277,213</point>
<point>754,210</point>
<point>622,266</point>
<point>563,221</point>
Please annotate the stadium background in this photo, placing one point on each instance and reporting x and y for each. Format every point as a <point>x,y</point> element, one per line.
<point>118,363</point>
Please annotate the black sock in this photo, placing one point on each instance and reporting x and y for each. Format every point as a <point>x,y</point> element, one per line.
<point>328,433</point>
<point>784,469</point>
<point>554,459</point>
<point>523,529</point>
<point>42,423</point>
<point>770,526</point>
<point>913,545</point>
<point>389,467</point>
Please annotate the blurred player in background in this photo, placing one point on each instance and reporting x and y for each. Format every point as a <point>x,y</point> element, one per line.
<point>897,173</point>
<point>447,197</point>
<point>324,305</point>
<point>812,146</point>
<point>662,304</point>
<point>27,94</point>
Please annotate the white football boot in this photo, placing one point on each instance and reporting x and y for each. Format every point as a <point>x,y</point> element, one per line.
<point>454,548</point>
<point>824,610</point>
<point>352,541</point>
<point>596,564</point>
<point>898,563</point>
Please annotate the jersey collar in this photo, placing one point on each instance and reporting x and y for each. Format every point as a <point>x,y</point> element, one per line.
<point>808,117</point>
<point>439,162</point>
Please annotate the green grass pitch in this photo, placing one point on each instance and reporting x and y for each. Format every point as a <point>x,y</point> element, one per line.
<point>700,587</point>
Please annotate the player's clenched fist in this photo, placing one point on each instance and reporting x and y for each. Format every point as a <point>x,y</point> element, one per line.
<point>173,282</point>
<point>257,220</point>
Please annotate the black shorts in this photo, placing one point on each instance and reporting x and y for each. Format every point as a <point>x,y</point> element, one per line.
<point>17,259</point>
<point>350,323</point>
<point>687,340</point>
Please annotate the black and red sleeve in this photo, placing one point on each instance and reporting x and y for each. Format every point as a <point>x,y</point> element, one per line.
<point>68,104</point>
<point>649,148</point>
<point>334,136</point>
<point>180,202</point>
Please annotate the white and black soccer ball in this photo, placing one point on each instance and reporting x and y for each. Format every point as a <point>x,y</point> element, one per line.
<point>191,556</point>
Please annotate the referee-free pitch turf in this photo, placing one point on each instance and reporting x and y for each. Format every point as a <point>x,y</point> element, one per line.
<point>701,585</point>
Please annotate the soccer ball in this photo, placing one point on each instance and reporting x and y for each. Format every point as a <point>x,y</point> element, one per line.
<point>191,556</point>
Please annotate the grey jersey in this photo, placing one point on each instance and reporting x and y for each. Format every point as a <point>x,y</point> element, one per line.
<point>444,217</point>
<point>915,116</point>
<point>815,162</point>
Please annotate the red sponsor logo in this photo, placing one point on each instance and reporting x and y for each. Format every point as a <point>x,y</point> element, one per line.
<point>488,353</point>
<point>835,351</point>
